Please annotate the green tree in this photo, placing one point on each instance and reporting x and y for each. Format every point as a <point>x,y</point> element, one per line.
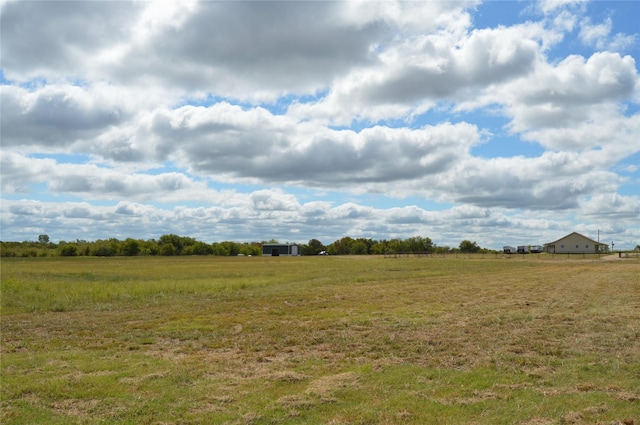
<point>419,244</point>
<point>150,247</point>
<point>395,246</point>
<point>442,249</point>
<point>379,247</point>
<point>69,250</point>
<point>341,247</point>
<point>103,248</point>
<point>201,248</point>
<point>43,239</point>
<point>359,247</point>
<point>232,247</point>
<point>176,241</point>
<point>314,247</point>
<point>167,249</point>
<point>130,247</point>
<point>467,246</point>
<point>252,249</point>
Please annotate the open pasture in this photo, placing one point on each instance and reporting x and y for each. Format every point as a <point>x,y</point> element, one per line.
<point>320,340</point>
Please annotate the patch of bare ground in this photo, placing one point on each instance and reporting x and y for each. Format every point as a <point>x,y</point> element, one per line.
<point>326,386</point>
<point>538,421</point>
<point>75,407</point>
<point>622,256</point>
<point>477,397</point>
<point>319,391</point>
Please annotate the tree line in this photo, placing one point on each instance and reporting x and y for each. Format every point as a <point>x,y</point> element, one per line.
<point>171,245</point>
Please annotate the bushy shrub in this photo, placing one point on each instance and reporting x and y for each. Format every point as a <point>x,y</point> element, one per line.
<point>69,250</point>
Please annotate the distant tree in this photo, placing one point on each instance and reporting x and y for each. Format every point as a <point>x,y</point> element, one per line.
<point>200,248</point>
<point>378,247</point>
<point>232,247</point>
<point>637,247</point>
<point>442,249</point>
<point>341,247</point>
<point>253,249</point>
<point>43,239</point>
<point>69,250</point>
<point>219,249</point>
<point>358,247</point>
<point>171,239</point>
<point>419,244</point>
<point>150,247</point>
<point>226,248</point>
<point>314,247</point>
<point>467,246</point>
<point>168,249</point>
<point>104,248</point>
<point>130,247</point>
<point>396,245</point>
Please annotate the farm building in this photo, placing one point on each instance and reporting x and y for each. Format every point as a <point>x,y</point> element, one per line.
<point>575,243</point>
<point>277,249</point>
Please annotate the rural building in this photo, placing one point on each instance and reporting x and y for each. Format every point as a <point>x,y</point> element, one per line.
<point>277,249</point>
<point>575,243</point>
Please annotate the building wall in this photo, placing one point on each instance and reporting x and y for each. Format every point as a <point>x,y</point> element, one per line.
<point>283,249</point>
<point>575,244</point>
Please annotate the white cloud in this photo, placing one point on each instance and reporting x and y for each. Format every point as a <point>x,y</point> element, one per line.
<point>428,69</point>
<point>552,6</point>
<point>599,36</point>
<point>625,209</point>
<point>572,94</point>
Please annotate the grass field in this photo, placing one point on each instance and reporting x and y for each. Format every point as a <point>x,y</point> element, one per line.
<point>320,340</point>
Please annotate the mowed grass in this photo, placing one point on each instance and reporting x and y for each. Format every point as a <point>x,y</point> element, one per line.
<point>320,340</point>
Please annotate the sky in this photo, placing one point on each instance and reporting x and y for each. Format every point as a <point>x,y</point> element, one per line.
<point>499,122</point>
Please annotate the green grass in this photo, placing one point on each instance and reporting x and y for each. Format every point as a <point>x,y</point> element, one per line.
<point>320,340</point>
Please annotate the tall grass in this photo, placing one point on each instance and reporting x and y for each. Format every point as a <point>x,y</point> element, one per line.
<point>319,340</point>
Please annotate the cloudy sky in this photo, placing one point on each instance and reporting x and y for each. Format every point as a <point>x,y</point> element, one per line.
<point>498,122</point>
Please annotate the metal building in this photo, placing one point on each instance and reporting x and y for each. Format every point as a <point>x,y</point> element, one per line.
<point>277,249</point>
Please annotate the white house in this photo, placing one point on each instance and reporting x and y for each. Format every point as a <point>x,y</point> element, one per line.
<point>575,243</point>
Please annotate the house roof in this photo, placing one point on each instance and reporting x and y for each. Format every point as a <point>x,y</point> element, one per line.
<point>281,244</point>
<point>575,233</point>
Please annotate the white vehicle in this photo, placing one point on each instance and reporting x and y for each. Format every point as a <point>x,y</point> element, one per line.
<point>509,249</point>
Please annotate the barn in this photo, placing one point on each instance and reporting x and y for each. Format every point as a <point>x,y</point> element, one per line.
<point>575,243</point>
<point>278,249</point>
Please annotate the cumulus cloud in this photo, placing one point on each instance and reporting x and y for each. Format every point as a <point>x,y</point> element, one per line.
<point>56,116</point>
<point>488,226</point>
<point>553,6</point>
<point>599,36</point>
<point>428,69</point>
<point>56,39</point>
<point>624,208</point>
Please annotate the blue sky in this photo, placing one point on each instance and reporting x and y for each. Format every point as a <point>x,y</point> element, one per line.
<point>501,122</point>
